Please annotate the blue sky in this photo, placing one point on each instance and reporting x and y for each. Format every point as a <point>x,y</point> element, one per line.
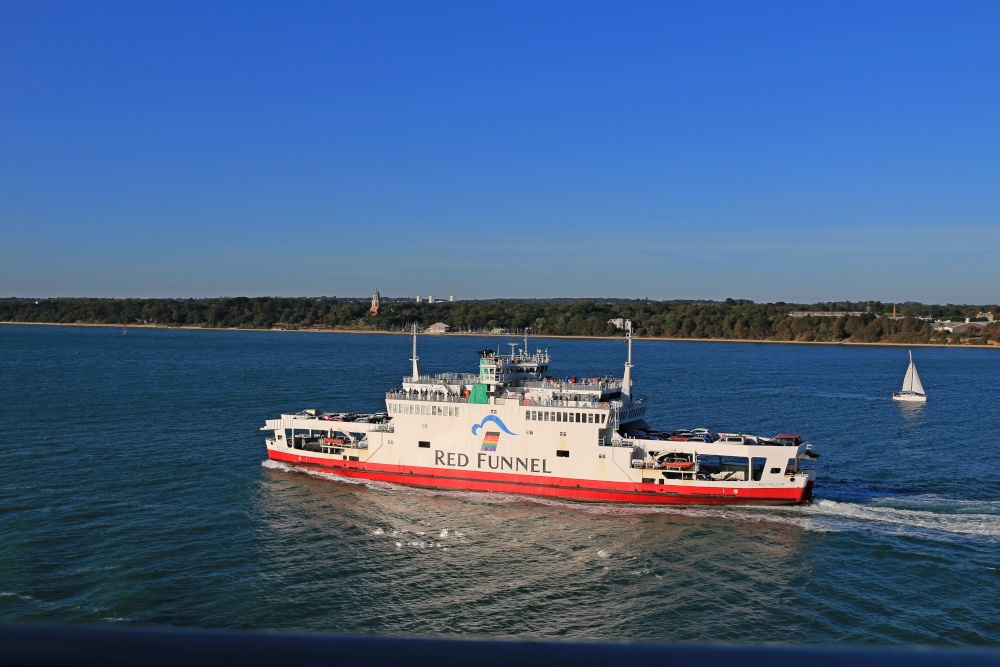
<point>792,151</point>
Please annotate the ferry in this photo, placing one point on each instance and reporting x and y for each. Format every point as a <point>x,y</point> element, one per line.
<point>512,428</point>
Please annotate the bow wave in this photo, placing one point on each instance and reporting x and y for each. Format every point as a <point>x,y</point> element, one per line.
<point>496,420</point>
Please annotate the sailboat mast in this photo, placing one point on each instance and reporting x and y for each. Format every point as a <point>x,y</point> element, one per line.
<point>910,372</point>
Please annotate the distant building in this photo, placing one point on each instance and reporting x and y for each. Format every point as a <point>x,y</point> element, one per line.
<point>430,299</point>
<point>418,298</point>
<point>957,327</point>
<point>438,328</point>
<point>452,298</point>
<point>374,308</point>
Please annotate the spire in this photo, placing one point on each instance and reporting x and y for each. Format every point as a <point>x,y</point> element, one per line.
<point>374,307</point>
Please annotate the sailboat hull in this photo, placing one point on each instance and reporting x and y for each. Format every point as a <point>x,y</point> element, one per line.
<point>909,397</point>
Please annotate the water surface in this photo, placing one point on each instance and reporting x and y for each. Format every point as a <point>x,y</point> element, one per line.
<point>136,491</point>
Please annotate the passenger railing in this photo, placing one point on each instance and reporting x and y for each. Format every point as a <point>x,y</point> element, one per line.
<point>580,383</point>
<point>431,396</point>
<point>551,403</point>
<point>443,378</point>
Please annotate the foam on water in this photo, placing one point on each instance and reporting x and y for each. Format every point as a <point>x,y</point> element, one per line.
<point>928,522</point>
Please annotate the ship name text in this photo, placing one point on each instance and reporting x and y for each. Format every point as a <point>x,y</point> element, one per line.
<point>485,461</point>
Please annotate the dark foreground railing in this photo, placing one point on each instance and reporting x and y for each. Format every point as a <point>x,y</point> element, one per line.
<point>58,645</point>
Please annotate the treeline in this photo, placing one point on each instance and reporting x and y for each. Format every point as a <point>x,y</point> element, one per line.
<point>731,319</point>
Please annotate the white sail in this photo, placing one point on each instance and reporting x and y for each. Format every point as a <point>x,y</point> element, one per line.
<point>911,381</point>
<point>915,385</point>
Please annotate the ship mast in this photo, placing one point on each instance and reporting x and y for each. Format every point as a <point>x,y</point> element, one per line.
<point>416,373</point>
<point>627,378</point>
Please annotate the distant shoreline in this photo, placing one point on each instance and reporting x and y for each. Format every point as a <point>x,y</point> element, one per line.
<point>455,334</point>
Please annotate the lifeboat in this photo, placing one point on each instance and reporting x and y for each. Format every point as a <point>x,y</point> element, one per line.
<point>678,465</point>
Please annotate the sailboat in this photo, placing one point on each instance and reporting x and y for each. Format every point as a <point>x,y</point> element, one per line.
<point>912,391</point>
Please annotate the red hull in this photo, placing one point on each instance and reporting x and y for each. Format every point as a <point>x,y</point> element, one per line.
<point>553,487</point>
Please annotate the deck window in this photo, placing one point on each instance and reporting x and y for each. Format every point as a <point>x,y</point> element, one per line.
<point>724,467</point>
<point>424,444</point>
<point>562,453</point>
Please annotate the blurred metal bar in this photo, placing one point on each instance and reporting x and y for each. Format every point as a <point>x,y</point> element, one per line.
<point>110,646</point>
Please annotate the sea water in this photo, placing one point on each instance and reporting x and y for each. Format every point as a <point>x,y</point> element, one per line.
<point>135,490</point>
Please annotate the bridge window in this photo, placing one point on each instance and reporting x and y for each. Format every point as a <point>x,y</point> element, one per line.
<point>563,453</point>
<point>424,444</point>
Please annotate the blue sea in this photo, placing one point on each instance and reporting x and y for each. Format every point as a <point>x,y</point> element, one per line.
<point>135,490</point>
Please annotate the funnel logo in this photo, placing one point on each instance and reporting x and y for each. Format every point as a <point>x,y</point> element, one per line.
<point>496,420</point>
<point>490,441</point>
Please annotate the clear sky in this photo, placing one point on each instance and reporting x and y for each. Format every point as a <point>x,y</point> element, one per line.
<point>774,151</point>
